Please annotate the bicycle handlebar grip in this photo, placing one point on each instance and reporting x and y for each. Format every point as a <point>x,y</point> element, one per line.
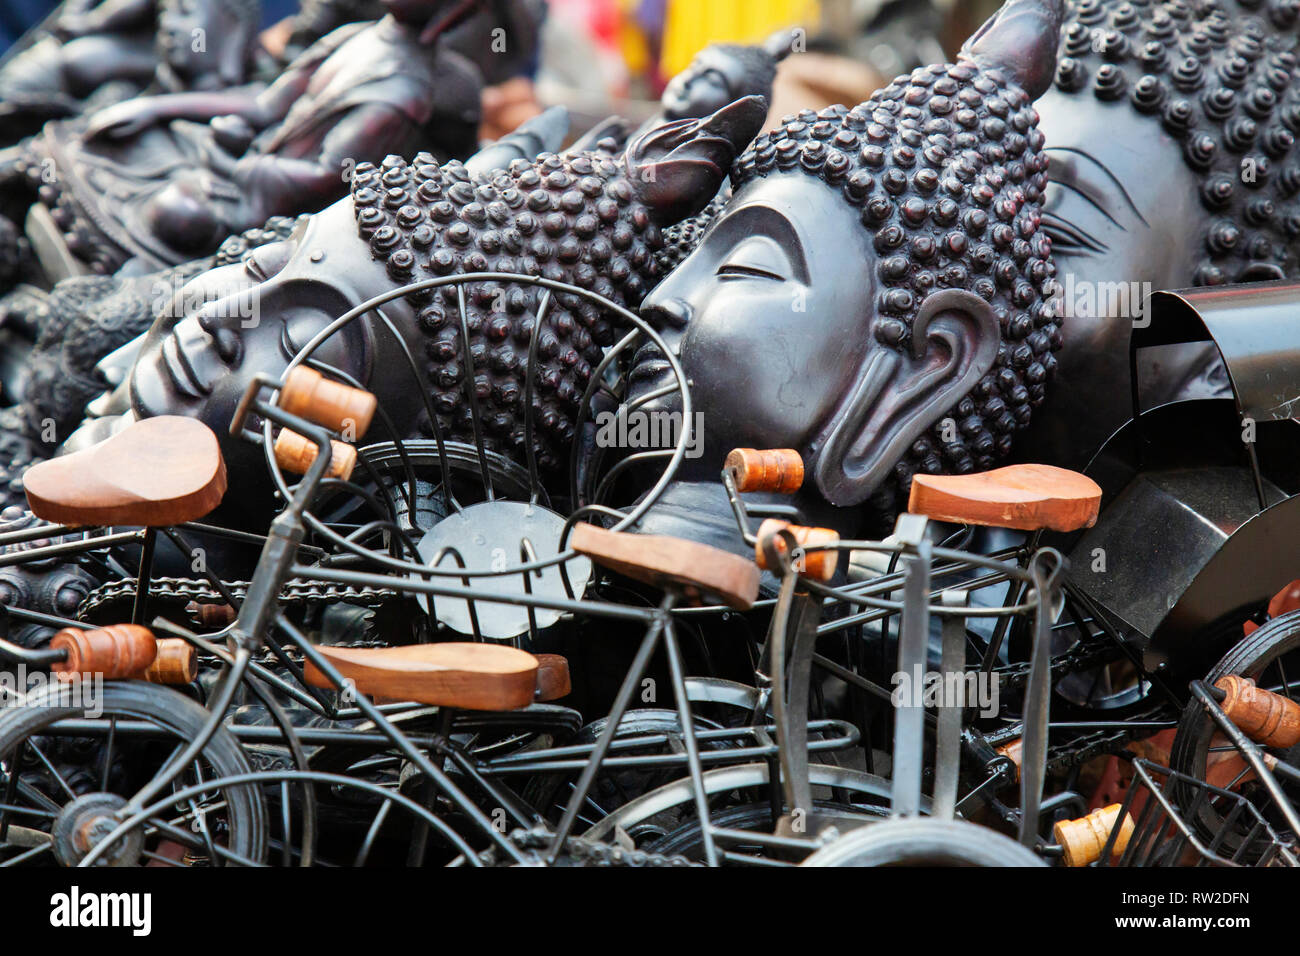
<point>1084,839</point>
<point>819,565</point>
<point>1263,716</point>
<point>295,453</point>
<point>1014,751</point>
<point>114,652</point>
<point>215,616</point>
<point>769,469</point>
<point>310,395</point>
<point>177,663</point>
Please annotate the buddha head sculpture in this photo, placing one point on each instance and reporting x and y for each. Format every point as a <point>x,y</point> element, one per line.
<point>1171,128</point>
<point>591,219</point>
<point>875,293</point>
<point>204,44</point>
<point>719,74</point>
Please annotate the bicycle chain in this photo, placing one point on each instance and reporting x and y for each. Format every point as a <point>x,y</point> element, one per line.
<point>589,853</point>
<point>1081,656</point>
<point>296,592</point>
<point>299,592</point>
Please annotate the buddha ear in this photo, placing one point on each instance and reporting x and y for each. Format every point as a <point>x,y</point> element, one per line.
<point>1020,40</point>
<point>899,397</point>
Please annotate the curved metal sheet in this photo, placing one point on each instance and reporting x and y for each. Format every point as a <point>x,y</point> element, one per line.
<point>1256,328</point>
<point>1182,545</point>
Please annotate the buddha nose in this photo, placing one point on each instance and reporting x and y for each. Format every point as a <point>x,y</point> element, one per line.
<point>667,314</point>
<point>215,319</point>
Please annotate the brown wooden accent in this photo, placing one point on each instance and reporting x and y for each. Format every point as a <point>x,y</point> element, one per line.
<point>1027,497</point>
<point>1226,768</point>
<point>552,677</point>
<point>1263,716</point>
<point>818,565</point>
<point>461,675</point>
<point>1084,839</point>
<point>310,395</point>
<point>177,663</point>
<point>1014,751</point>
<point>155,472</point>
<point>295,453</point>
<point>769,469</point>
<point>214,616</point>
<point>113,652</point>
<point>699,573</point>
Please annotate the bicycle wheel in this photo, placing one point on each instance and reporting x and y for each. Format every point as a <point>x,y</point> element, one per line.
<point>62,786</point>
<point>1270,655</point>
<point>916,842</point>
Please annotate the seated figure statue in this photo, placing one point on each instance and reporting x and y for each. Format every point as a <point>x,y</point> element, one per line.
<point>876,293</point>
<point>98,53</point>
<point>145,181</point>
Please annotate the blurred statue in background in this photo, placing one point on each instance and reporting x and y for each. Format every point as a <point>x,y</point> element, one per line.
<point>96,54</point>
<point>165,179</point>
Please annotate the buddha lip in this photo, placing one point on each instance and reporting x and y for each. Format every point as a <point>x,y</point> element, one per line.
<point>181,371</point>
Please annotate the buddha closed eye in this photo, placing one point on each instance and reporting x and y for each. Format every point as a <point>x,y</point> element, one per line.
<point>759,257</point>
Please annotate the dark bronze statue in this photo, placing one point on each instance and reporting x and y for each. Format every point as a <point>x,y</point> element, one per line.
<point>875,294</point>
<point>99,53</point>
<point>145,181</point>
<point>719,74</point>
<point>1171,129</point>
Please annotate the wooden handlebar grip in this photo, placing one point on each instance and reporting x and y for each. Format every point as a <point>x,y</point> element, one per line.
<point>310,395</point>
<point>1014,751</point>
<point>1263,716</point>
<point>295,453</point>
<point>819,565</point>
<point>215,616</point>
<point>1084,839</point>
<point>114,652</point>
<point>177,663</point>
<point>769,469</point>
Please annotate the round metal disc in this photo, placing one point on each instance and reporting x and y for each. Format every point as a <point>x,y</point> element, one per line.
<point>490,535</point>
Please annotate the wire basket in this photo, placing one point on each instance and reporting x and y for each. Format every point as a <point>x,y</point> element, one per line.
<point>1164,807</point>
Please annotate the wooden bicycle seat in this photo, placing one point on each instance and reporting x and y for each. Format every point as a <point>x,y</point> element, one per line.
<point>698,572</point>
<point>552,677</point>
<point>155,472</point>
<point>461,675</point>
<point>1026,497</point>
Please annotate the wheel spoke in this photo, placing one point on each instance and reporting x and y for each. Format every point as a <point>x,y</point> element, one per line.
<point>27,855</point>
<point>1286,685</point>
<point>108,753</point>
<point>40,754</point>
